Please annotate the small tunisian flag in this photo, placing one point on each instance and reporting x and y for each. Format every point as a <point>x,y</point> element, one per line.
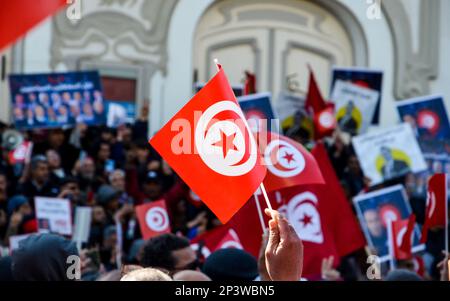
<point>401,238</point>
<point>19,16</point>
<point>436,208</point>
<point>153,219</point>
<point>314,100</point>
<point>210,146</point>
<point>288,164</point>
<point>250,83</point>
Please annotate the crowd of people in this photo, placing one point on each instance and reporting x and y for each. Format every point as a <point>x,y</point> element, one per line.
<point>114,170</point>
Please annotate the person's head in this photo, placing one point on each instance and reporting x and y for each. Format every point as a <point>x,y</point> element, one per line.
<point>190,276</point>
<point>438,167</point>
<point>402,275</point>
<point>39,112</point>
<point>3,183</point>
<point>77,96</point>
<point>39,169</point>
<point>87,96</point>
<point>62,110</point>
<point>32,97</point>
<point>66,97</point>
<point>350,107</point>
<point>98,215</point>
<point>146,274</point>
<point>373,222</point>
<point>43,257</point>
<point>230,264</point>
<point>87,109</point>
<point>108,197</point>
<point>411,120</point>
<point>152,186</point>
<point>87,168</point>
<point>75,110</point>
<point>107,134</point>
<point>20,204</point>
<point>71,185</point>
<point>353,165</point>
<point>386,153</point>
<point>43,98</point>
<point>56,98</point>
<point>170,252</point>
<point>142,151</point>
<point>117,179</point>
<point>56,138</point>
<point>18,113</point>
<point>110,237</point>
<point>51,114</point>
<point>18,100</point>
<point>53,158</point>
<point>103,151</point>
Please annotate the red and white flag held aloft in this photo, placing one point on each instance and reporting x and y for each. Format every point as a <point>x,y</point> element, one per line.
<point>209,145</point>
<point>153,219</point>
<point>401,238</point>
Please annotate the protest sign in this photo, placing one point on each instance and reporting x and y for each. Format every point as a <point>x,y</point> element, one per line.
<point>119,113</point>
<point>53,215</point>
<point>258,111</point>
<point>354,106</point>
<point>376,210</point>
<point>56,100</point>
<point>366,78</point>
<point>82,227</point>
<point>389,153</point>
<point>428,118</point>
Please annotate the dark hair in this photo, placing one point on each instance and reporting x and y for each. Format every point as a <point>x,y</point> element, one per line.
<point>158,251</point>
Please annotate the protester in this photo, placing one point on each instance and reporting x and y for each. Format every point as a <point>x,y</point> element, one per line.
<point>147,274</point>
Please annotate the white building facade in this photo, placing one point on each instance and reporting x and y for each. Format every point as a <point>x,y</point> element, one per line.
<point>161,47</point>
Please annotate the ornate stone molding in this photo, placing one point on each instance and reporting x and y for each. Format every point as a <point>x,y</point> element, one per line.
<point>131,31</point>
<point>413,71</point>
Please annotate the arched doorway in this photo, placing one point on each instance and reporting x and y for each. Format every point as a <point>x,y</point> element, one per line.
<point>276,41</point>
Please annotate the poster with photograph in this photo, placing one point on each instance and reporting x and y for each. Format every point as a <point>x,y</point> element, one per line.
<point>376,210</point>
<point>389,153</point>
<point>428,118</point>
<point>355,106</point>
<point>57,100</point>
<point>258,110</point>
<point>120,113</point>
<point>363,77</point>
<point>53,215</point>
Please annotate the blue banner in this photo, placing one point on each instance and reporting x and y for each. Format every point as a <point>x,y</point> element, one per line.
<point>57,100</point>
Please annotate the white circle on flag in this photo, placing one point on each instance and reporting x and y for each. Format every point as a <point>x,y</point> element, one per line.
<point>224,160</point>
<point>326,119</point>
<point>289,160</point>
<point>157,219</point>
<point>231,244</point>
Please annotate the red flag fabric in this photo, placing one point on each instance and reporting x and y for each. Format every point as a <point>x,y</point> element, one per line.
<point>209,145</point>
<point>324,122</point>
<point>194,199</point>
<point>401,238</point>
<point>314,100</point>
<point>250,83</point>
<point>19,16</point>
<point>288,164</point>
<point>230,240</point>
<point>347,232</point>
<point>153,219</point>
<point>436,207</point>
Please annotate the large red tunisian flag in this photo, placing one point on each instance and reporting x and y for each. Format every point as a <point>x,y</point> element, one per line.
<point>210,146</point>
<point>288,164</point>
<point>19,16</point>
<point>436,207</point>
<point>401,238</point>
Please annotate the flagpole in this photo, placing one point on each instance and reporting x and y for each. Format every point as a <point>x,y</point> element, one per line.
<point>260,214</point>
<point>263,189</point>
<point>390,245</point>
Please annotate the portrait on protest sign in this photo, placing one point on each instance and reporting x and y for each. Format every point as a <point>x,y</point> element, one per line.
<point>57,100</point>
<point>354,106</point>
<point>428,118</point>
<point>120,113</point>
<point>53,215</point>
<point>258,111</point>
<point>375,210</point>
<point>366,78</point>
<point>388,154</point>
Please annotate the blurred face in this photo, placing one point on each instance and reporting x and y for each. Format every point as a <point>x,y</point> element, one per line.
<point>185,259</point>
<point>41,172</point>
<point>75,110</point>
<point>25,209</point>
<point>118,180</point>
<point>152,190</point>
<point>142,154</point>
<point>353,165</point>
<point>104,152</point>
<point>18,113</point>
<point>87,169</point>
<point>373,223</point>
<point>31,97</point>
<point>56,98</point>
<point>39,111</point>
<point>19,99</point>
<point>77,96</point>
<point>87,109</point>
<point>56,138</point>
<point>98,215</point>
<point>66,96</point>
<point>3,184</point>
<point>62,110</point>
<point>98,106</point>
<point>74,190</point>
<point>54,161</point>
